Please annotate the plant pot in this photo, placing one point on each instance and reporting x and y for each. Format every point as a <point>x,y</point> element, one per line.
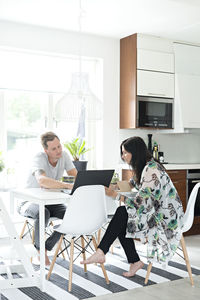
<point>80,165</point>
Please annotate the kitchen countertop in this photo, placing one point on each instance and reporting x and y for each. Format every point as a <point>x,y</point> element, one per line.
<point>172,166</point>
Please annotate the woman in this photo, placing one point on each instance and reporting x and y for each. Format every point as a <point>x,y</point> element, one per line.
<point>155,214</point>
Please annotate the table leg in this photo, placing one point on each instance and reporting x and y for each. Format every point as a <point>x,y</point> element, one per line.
<point>42,248</point>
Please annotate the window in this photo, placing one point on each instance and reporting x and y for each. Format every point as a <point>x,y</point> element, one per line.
<point>29,92</point>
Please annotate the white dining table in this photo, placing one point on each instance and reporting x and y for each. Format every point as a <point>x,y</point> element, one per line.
<point>41,197</point>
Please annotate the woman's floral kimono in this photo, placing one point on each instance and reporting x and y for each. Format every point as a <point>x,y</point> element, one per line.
<point>155,213</point>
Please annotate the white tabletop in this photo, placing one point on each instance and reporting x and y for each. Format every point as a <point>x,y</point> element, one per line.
<point>49,196</point>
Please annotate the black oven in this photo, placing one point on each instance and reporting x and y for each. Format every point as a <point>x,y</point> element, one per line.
<point>193,177</point>
<point>154,112</point>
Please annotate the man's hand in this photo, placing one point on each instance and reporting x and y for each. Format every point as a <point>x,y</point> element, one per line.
<point>50,183</point>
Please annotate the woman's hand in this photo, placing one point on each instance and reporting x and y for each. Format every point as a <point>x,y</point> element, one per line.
<point>110,192</point>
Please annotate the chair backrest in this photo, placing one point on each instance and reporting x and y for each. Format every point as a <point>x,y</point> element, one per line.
<point>189,213</point>
<point>86,212</point>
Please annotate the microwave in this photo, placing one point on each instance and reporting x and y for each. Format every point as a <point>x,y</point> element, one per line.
<point>154,112</point>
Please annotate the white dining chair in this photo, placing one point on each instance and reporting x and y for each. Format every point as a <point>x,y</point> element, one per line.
<point>188,221</point>
<point>85,214</point>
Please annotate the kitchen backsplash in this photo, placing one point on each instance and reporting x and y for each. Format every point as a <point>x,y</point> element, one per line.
<point>177,148</point>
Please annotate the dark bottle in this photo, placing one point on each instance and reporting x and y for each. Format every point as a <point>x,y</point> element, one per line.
<point>150,143</point>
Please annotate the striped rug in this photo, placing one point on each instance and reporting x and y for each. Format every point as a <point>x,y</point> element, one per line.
<point>92,283</point>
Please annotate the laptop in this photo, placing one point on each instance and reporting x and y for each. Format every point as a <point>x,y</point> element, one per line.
<point>91,177</point>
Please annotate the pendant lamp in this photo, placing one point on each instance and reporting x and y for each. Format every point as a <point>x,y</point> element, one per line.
<point>80,103</point>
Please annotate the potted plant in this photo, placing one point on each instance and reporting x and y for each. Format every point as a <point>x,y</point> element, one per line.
<point>77,148</point>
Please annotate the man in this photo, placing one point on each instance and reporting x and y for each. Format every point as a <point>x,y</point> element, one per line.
<point>47,170</point>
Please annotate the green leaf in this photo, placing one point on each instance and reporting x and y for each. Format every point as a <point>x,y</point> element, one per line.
<point>76,148</point>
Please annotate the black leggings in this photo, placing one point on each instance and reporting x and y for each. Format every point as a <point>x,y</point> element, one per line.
<point>117,229</point>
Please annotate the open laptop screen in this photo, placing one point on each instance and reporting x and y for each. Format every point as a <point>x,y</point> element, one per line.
<point>93,177</point>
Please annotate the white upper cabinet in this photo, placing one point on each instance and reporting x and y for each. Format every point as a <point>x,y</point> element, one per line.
<point>155,61</point>
<point>187,59</point>
<point>155,84</point>
<point>154,43</point>
<point>155,67</point>
<point>187,95</point>
<point>188,89</point>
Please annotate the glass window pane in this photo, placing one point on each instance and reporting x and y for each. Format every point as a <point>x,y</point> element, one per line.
<point>25,120</point>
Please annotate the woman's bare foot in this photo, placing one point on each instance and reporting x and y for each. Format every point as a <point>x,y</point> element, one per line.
<point>97,257</point>
<point>134,268</point>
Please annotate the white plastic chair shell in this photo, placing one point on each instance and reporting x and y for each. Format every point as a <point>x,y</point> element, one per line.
<point>189,213</point>
<point>86,212</point>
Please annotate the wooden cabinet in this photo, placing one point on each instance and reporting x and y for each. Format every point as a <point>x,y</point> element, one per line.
<point>146,68</point>
<point>126,174</point>
<point>128,81</point>
<point>178,178</point>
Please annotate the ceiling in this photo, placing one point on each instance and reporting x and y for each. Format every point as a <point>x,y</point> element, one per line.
<point>175,19</point>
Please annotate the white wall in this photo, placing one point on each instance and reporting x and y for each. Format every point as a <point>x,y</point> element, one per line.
<point>62,42</point>
<point>177,147</point>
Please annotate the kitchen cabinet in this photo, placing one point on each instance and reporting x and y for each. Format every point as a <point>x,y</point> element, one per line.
<point>178,178</point>
<point>155,61</point>
<point>155,84</point>
<point>187,89</point>
<point>147,69</point>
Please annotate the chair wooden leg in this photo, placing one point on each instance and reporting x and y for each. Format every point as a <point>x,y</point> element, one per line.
<point>71,265</point>
<point>148,273</point>
<point>112,248</point>
<point>102,265</point>
<point>63,255</point>
<point>98,236</point>
<point>54,257</point>
<point>182,241</point>
<point>23,229</point>
<point>84,256</point>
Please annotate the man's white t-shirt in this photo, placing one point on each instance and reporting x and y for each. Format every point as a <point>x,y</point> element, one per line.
<point>41,162</point>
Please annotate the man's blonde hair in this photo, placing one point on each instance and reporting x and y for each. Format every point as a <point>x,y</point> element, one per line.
<point>47,137</point>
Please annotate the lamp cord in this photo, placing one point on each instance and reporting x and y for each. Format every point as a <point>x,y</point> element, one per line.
<point>81,13</point>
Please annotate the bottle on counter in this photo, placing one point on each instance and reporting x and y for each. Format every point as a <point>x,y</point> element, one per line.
<point>150,142</point>
<point>161,157</point>
<point>155,150</point>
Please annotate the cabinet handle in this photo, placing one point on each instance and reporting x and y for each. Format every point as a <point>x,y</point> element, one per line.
<point>175,182</point>
<point>156,94</point>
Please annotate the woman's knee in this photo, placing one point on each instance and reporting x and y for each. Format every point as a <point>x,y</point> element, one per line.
<point>121,210</point>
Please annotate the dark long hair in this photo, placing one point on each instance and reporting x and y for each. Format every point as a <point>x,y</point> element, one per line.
<point>140,154</point>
